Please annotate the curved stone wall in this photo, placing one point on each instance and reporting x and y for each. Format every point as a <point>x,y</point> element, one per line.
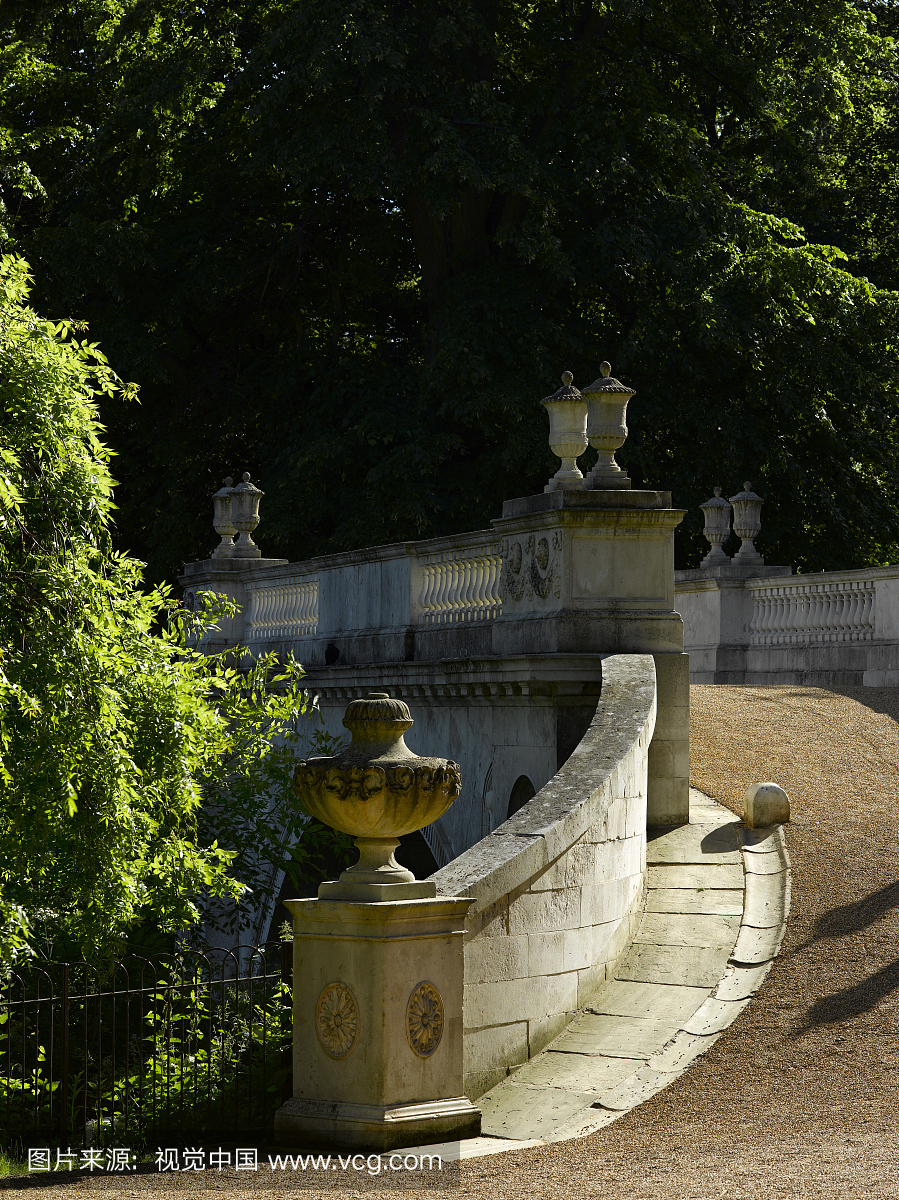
<point>558,888</point>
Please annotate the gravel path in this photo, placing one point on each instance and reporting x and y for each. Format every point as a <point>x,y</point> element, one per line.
<point>800,1097</point>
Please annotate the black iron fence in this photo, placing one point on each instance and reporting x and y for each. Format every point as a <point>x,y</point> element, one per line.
<point>191,1043</point>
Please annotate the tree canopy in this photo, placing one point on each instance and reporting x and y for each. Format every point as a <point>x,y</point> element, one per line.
<point>349,247</point>
<point>113,733</point>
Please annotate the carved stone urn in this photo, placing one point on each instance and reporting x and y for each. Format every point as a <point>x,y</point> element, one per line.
<point>222,522</point>
<point>747,523</point>
<point>717,528</point>
<point>567,434</point>
<point>606,411</point>
<point>245,517</point>
<point>377,790</point>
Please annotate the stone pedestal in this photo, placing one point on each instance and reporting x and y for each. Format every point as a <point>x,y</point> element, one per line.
<point>377,1025</point>
<point>593,572</point>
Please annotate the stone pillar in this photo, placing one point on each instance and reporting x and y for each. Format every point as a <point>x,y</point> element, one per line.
<point>716,605</point>
<point>377,958</point>
<point>377,1025</point>
<point>593,572</point>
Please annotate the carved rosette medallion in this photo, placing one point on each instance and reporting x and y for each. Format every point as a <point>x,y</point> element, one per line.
<point>424,1019</point>
<point>337,1020</point>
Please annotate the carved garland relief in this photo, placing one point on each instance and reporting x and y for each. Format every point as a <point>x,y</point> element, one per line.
<point>534,568</point>
<point>365,783</point>
<point>337,1020</point>
<point>424,1019</point>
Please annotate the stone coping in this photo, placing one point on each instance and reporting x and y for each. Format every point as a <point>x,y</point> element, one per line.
<point>273,569</point>
<point>776,576</point>
<point>573,801</point>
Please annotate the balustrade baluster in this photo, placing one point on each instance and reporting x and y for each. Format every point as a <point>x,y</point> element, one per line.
<point>855,604</point>
<point>865,611</point>
<point>426,599</point>
<point>814,613</point>
<point>313,607</point>
<point>282,608</point>
<point>836,613</point>
<point>483,599</point>
<point>477,588</point>
<point>777,616</point>
<point>787,614</point>
<point>466,588</point>
<point>802,615</point>
<point>755,620</point>
<point>444,584</point>
<point>790,613</point>
<point>496,565</point>
<point>253,599</point>
<point>261,603</point>
<point>831,614</point>
<point>303,598</point>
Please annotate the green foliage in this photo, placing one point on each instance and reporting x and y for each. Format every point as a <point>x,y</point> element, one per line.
<point>350,246</point>
<point>112,731</point>
<point>250,808</point>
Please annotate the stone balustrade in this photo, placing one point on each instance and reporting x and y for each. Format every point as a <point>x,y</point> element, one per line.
<point>283,610</point>
<point>834,628</point>
<point>439,582</point>
<point>788,614</point>
<point>515,618</point>
<point>460,584</point>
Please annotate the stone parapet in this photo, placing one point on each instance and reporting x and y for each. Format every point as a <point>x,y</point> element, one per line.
<point>557,888</point>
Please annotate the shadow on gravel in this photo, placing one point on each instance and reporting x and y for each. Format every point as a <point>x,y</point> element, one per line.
<point>853,918</point>
<point>852,1001</point>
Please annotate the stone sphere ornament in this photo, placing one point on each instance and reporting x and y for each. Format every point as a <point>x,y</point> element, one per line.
<point>766,804</point>
<point>606,428</point>
<point>567,434</point>
<point>377,789</point>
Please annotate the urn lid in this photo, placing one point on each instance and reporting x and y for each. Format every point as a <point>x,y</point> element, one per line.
<point>606,383</point>
<point>380,708</point>
<point>717,501</point>
<point>248,486</point>
<point>746,495</point>
<point>565,392</point>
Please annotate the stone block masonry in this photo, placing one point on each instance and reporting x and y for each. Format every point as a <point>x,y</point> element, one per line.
<point>558,888</point>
